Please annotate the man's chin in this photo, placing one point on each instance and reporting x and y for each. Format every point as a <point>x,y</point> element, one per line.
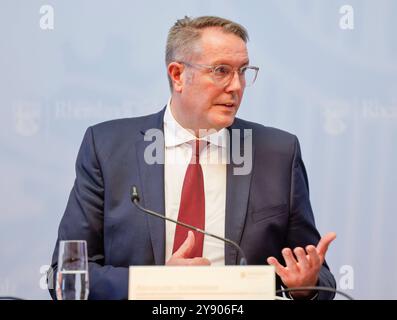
<point>223,121</point>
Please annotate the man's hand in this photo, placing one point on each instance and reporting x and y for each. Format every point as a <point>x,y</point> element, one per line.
<point>181,256</point>
<point>302,270</point>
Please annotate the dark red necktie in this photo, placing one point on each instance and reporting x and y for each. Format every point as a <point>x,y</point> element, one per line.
<point>192,205</point>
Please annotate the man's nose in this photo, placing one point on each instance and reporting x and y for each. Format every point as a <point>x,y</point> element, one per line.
<point>236,83</point>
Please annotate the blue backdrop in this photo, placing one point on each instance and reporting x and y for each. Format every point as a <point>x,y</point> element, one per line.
<point>326,74</point>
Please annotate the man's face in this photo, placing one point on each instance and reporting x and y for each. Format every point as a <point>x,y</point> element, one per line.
<point>205,104</point>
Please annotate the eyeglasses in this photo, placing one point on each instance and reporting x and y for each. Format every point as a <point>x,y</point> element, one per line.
<point>222,74</point>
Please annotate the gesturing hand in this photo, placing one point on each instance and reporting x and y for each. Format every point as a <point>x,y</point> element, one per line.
<point>302,269</point>
<point>181,256</point>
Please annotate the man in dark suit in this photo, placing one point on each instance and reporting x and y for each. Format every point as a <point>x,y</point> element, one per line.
<point>265,209</point>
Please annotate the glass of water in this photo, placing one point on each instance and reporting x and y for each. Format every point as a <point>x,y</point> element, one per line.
<point>72,277</point>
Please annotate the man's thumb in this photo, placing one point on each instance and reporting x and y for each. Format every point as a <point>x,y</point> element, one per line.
<point>186,247</point>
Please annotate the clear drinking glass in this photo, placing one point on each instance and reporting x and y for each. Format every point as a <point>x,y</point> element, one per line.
<point>72,277</point>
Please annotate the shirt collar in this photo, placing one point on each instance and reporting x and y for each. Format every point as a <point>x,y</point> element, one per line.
<point>175,134</point>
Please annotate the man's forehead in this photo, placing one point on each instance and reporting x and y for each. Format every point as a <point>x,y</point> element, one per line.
<point>220,47</point>
<point>216,38</point>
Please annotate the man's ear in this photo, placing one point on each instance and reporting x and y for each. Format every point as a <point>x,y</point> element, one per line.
<point>175,70</point>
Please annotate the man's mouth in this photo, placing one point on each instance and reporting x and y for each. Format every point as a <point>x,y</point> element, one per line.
<point>227,105</point>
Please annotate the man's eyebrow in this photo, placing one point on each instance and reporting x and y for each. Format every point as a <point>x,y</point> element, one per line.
<point>220,62</point>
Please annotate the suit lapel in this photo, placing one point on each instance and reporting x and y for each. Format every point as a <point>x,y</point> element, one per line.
<point>152,186</point>
<point>237,193</point>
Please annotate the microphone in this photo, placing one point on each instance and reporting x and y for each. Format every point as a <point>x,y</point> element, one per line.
<point>135,200</point>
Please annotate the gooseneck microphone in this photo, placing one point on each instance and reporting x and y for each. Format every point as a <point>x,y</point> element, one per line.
<point>135,200</point>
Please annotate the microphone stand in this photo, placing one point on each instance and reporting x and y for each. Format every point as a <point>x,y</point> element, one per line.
<point>135,200</point>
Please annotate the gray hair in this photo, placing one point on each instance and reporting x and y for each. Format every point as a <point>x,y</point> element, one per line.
<point>184,34</point>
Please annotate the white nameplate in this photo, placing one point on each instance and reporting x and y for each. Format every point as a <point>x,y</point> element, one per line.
<point>201,283</point>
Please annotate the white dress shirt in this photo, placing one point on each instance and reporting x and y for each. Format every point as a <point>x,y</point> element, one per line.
<point>178,153</point>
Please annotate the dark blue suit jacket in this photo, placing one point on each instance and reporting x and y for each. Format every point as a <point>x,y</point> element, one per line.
<point>266,210</point>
